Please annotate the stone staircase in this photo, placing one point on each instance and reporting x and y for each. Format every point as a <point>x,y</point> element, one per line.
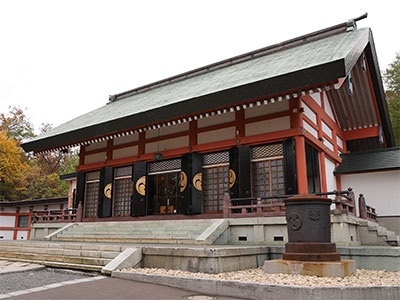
<point>84,256</point>
<point>373,234</point>
<point>149,232</point>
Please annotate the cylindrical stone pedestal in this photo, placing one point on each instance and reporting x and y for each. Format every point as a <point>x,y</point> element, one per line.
<point>309,229</point>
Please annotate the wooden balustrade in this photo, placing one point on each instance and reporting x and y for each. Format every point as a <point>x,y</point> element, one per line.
<point>274,205</point>
<point>366,212</point>
<point>253,207</point>
<point>55,216</point>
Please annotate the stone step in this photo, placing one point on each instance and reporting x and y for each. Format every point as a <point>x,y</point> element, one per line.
<point>56,258</point>
<point>159,235</point>
<point>128,240</point>
<point>64,252</point>
<point>66,246</point>
<point>133,230</point>
<point>58,264</point>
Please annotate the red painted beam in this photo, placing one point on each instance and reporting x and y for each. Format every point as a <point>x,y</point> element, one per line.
<point>361,133</point>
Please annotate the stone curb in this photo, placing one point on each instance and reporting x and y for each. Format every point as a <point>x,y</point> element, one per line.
<point>257,291</point>
<point>23,269</point>
<point>49,286</point>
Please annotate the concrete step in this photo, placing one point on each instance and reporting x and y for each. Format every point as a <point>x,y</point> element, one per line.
<point>56,258</point>
<point>63,265</point>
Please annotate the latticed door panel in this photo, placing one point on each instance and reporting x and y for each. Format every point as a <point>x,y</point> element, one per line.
<point>92,198</point>
<point>268,178</point>
<point>215,185</point>
<point>122,196</point>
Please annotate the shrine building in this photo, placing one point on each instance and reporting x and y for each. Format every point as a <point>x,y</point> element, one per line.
<point>261,125</point>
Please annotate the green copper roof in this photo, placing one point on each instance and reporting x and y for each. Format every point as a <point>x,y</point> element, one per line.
<point>308,63</point>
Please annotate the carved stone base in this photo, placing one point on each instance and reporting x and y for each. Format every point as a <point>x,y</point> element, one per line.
<point>321,269</point>
<point>319,252</point>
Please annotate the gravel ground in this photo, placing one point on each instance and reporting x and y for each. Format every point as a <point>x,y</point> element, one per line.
<point>27,280</point>
<point>359,278</point>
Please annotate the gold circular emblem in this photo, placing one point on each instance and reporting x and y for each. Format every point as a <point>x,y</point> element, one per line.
<point>197,181</point>
<point>232,178</point>
<point>141,185</point>
<point>182,181</point>
<point>108,190</point>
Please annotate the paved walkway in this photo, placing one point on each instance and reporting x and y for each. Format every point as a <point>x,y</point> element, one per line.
<point>7,267</point>
<point>110,288</point>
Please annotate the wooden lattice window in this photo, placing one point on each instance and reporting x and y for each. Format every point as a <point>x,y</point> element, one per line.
<point>92,194</point>
<point>215,185</point>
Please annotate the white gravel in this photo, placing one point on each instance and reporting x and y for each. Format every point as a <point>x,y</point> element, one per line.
<point>359,278</point>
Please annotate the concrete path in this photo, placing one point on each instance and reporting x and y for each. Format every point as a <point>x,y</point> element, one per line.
<point>112,288</point>
<point>7,267</point>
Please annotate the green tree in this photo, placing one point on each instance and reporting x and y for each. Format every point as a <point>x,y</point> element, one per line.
<point>392,80</point>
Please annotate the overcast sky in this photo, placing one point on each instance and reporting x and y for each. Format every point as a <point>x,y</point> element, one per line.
<point>61,59</point>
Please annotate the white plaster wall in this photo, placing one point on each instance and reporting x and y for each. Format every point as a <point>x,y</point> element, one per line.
<point>94,158</point>
<point>329,145</point>
<point>310,129</point>
<point>7,221</point>
<point>54,206</point>
<point>326,129</point>
<point>96,146</point>
<point>24,209</point>
<point>330,177</point>
<point>22,235</point>
<point>167,144</point>
<point>267,126</point>
<point>9,210</point>
<point>125,152</point>
<point>216,135</point>
<point>339,141</point>
<point>381,190</point>
<point>126,139</point>
<point>316,97</point>
<point>266,109</point>
<point>328,108</point>
<point>215,120</point>
<point>6,234</point>
<point>309,113</point>
<point>167,130</point>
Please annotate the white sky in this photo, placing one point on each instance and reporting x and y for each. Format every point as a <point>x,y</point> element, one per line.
<point>61,59</point>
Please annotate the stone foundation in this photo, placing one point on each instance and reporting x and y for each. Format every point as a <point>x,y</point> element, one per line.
<point>321,269</point>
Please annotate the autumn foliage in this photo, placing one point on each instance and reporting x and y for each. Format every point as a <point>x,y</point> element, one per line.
<point>24,176</point>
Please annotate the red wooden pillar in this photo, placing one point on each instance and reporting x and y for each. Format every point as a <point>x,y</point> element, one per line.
<point>324,186</point>
<point>239,121</point>
<point>302,185</point>
<point>16,224</point>
<point>142,144</point>
<point>296,121</point>
<point>192,133</point>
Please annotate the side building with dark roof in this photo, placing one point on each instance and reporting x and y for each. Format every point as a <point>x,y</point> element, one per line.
<point>264,124</point>
<point>376,175</point>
